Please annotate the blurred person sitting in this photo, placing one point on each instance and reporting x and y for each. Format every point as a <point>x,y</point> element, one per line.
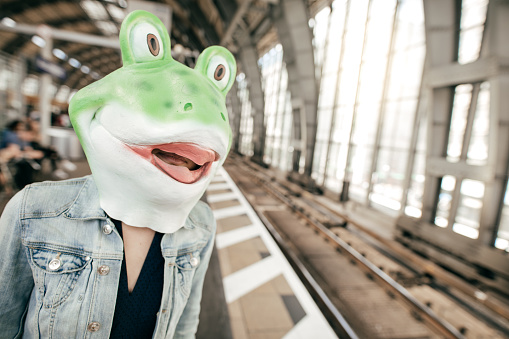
<point>16,149</point>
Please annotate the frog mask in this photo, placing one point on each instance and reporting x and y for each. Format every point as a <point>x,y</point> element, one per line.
<point>155,131</point>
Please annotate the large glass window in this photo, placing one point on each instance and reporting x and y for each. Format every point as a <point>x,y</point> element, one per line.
<point>364,80</point>
<point>398,113</point>
<point>468,214</point>
<point>325,149</point>
<point>447,185</point>
<point>478,146</point>
<point>502,240</point>
<point>473,17</point>
<point>246,120</point>
<point>277,108</point>
<point>461,104</point>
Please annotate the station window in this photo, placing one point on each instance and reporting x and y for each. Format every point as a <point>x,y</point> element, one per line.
<point>502,239</point>
<point>246,120</point>
<point>443,211</point>
<point>478,146</point>
<point>277,112</point>
<point>473,17</point>
<point>461,104</point>
<point>466,142</point>
<point>469,208</point>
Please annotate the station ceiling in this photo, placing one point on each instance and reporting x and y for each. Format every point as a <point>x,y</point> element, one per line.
<point>196,24</point>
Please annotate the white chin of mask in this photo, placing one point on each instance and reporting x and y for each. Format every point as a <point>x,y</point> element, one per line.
<point>144,201</point>
<point>139,194</point>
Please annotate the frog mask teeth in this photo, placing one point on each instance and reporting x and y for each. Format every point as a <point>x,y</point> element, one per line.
<point>155,131</point>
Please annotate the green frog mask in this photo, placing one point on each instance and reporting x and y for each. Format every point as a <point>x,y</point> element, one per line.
<point>155,131</point>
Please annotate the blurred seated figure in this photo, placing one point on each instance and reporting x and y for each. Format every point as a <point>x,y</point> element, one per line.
<point>50,152</point>
<point>16,149</point>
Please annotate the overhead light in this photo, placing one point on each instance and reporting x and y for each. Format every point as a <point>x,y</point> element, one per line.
<point>107,27</point>
<point>59,54</point>
<point>38,41</point>
<point>62,94</point>
<point>74,63</point>
<point>85,69</point>
<point>95,75</point>
<point>8,22</point>
<point>122,3</point>
<point>117,13</point>
<point>94,9</point>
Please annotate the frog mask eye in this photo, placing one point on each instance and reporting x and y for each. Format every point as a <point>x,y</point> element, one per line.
<point>218,71</point>
<point>218,65</point>
<point>143,38</point>
<point>146,43</point>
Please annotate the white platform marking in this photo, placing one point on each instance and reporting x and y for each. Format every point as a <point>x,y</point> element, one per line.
<point>229,212</point>
<point>310,327</point>
<point>221,197</point>
<point>240,283</point>
<point>218,186</point>
<point>235,236</point>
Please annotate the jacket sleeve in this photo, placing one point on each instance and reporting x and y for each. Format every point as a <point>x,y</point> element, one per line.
<point>16,280</point>
<point>188,322</point>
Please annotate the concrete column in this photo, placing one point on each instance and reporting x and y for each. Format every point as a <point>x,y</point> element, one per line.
<point>291,20</point>
<point>495,47</point>
<point>249,61</point>
<point>235,115</point>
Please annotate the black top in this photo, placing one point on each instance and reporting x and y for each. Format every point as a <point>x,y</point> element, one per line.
<point>136,312</point>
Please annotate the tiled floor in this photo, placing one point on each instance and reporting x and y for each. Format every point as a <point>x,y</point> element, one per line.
<point>265,298</point>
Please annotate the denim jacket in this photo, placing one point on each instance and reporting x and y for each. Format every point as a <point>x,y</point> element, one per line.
<point>60,263</point>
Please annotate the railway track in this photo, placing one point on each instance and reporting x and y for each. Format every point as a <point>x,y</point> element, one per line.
<point>382,285</point>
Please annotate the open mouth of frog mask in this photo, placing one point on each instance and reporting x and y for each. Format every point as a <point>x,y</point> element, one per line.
<point>155,131</point>
<point>184,162</point>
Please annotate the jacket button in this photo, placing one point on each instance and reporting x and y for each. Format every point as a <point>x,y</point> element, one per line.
<point>194,261</point>
<point>107,229</point>
<point>103,270</point>
<point>94,326</point>
<point>54,264</point>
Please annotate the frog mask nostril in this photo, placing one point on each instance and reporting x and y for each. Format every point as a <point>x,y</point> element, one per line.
<point>188,106</point>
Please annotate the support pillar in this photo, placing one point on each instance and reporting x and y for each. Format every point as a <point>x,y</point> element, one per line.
<point>291,20</point>
<point>235,117</point>
<point>249,61</point>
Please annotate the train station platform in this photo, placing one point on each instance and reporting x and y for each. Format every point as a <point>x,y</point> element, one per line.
<point>265,297</point>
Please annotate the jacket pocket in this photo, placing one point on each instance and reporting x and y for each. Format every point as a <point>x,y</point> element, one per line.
<point>186,265</point>
<point>56,274</point>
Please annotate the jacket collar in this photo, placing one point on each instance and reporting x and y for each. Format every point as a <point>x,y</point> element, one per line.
<point>86,204</point>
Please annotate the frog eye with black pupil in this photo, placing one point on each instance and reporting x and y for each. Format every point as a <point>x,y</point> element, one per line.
<point>146,43</point>
<point>220,72</point>
<point>153,44</point>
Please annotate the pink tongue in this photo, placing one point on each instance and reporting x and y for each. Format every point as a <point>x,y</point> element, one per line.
<point>200,156</point>
<point>179,173</point>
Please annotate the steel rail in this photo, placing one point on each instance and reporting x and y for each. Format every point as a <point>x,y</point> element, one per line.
<point>426,314</point>
<point>423,265</point>
<point>338,323</point>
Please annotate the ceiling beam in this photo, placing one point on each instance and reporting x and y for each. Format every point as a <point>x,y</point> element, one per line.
<point>241,11</point>
<point>60,34</point>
